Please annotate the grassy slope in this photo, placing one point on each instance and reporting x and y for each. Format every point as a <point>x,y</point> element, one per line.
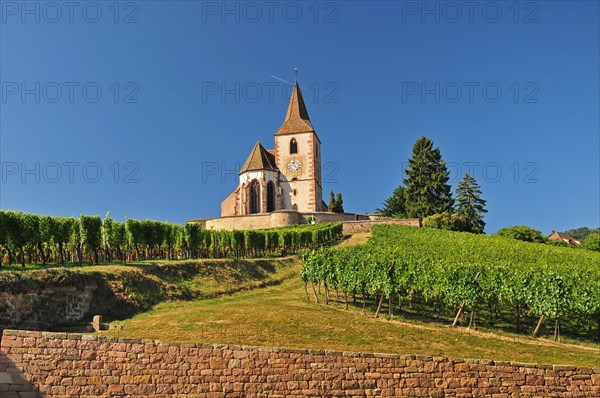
<point>124,290</point>
<point>282,316</point>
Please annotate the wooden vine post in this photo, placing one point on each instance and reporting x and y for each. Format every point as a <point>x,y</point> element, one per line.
<point>379,305</point>
<point>382,292</point>
<point>315,293</point>
<point>462,307</point>
<point>539,326</point>
<point>306,290</point>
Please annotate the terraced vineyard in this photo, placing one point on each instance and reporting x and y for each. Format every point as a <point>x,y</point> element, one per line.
<point>490,281</point>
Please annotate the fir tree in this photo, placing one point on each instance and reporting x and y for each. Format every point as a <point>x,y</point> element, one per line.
<point>427,188</point>
<point>331,205</point>
<point>470,205</point>
<point>339,204</point>
<point>395,205</point>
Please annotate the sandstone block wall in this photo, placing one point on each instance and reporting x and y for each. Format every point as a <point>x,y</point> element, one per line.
<point>351,227</point>
<point>46,307</point>
<point>352,222</point>
<point>58,364</point>
<point>279,218</point>
<point>323,216</point>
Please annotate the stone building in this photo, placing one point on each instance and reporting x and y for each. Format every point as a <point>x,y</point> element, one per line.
<point>285,178</point>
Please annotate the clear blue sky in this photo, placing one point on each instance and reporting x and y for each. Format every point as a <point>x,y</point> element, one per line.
<point>187,89</point>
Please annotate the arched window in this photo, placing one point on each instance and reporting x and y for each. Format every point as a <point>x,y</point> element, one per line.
<point>254,197</point>
<point>270,197</point>
<point>293,146</point>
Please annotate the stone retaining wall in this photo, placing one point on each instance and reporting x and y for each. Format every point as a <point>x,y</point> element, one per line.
<point>351,227</point>
<point>279,218</point>
<point>58,364</point>
<point>45,307</point>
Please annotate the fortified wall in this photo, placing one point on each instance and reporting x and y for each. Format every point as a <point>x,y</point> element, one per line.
<point>75,365</point>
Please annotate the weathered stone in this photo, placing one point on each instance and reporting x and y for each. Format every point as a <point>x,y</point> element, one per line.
<point>80,367</point>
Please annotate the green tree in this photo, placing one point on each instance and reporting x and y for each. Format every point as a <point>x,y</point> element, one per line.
<point>427,188</point>
<point>339,204</point>
<point>395,205</point>
<point>470,205</point>
<point>592,242</point>
<point>331,205</point>
<point>522,232</point>
<point>448,221</point>
<point>582,233</point>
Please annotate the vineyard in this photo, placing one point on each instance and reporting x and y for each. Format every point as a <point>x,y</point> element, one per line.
<point>34,239</point>
<point>479,279</point>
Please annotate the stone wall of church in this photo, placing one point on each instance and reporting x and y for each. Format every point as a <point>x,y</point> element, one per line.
<point>280,218</point>
<point>352,223</point>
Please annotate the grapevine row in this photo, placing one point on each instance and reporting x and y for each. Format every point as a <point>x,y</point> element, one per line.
<point>460,270</point>
<point>30,238</point>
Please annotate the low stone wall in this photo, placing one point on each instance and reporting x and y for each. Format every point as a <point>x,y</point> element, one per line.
<point>351,227</point>
<point>335,217</point>
<point>280,218</point>
<point>42,308</point>
<point>74,365</point>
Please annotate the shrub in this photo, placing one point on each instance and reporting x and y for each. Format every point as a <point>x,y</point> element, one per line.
<point>592,242</point>
<point>448,221</point>
<point>522,232</point>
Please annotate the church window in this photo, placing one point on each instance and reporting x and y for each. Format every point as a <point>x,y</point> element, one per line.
<point>254,197</point>
<point>270,197</point>
<point>293,146</point>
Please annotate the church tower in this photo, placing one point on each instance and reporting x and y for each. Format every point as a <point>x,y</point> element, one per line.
<point>285,178</point>
<point>298,157</point>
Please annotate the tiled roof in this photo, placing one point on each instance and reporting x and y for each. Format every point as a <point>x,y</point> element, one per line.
<point>567,238</point>
<point>296,118</point>
<point>259,159</point>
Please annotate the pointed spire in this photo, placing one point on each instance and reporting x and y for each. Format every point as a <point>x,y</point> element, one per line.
<point>259,159</point>
<point>296,118</point>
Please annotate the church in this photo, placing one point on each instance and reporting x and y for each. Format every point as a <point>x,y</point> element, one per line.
<point>285,178</point>
<point>283,186</point>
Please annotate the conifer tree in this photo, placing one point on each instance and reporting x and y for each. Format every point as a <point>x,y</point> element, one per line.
<point>427,188</point>
<point>395,205</point>
<point>470,205</point>
<point>331,205</point>
<point>339,204</point>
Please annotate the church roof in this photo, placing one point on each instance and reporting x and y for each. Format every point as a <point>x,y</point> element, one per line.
<point>259,159</point>
<point>296,118</point>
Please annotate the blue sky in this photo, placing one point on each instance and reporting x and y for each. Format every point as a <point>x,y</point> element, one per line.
<point>146,108</point>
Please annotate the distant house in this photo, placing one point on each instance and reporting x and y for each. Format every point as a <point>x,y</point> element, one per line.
<point>564,237</point>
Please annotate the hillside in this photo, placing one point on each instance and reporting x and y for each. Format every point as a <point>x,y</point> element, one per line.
<point>43,299</point>
<point>283,316</point>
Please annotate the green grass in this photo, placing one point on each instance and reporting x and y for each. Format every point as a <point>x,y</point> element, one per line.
<point>282,316</point>
<point>124,290</point>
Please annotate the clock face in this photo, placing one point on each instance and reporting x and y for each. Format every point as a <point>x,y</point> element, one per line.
<point>294,165</point>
